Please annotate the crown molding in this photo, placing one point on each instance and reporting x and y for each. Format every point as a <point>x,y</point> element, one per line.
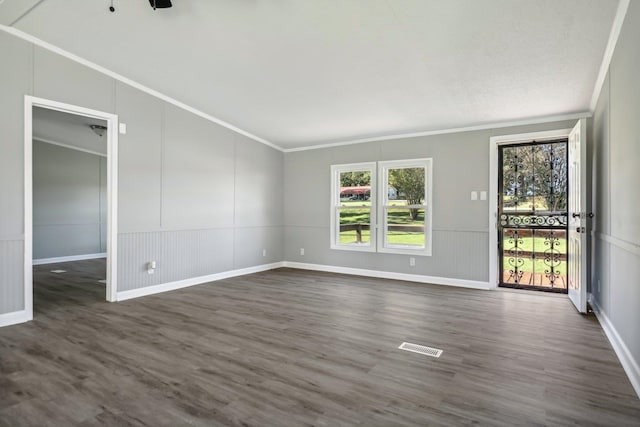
<point>621,12</point>
<point>497,125</point>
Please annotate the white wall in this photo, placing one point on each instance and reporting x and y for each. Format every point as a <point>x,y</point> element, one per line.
<point>460,226</point>
<point>69,202</point>
<point>616,234</point>
<point>185,199</point>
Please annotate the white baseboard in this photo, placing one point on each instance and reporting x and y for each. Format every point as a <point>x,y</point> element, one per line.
<point>474,284</point>
<point>55,260</point>
<point>171,286</point>
<point>14,317</point>
<point>629,364</point>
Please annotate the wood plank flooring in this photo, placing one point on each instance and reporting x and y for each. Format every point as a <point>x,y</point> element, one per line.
<point>299,348</point>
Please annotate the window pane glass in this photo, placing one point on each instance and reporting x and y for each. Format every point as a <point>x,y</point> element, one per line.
<point>406,184</point>
<point>534,177</point>
<point>355,226</point>
<point>517,173</point>
<point>355,186</point>
<point>405,227</point>
<point>551,177</point>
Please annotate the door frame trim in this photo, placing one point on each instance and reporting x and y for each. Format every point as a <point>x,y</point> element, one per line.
<point>494,142</point>
<point>112,192</point>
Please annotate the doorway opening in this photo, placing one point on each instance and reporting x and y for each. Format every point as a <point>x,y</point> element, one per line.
<point>577,262</point>
<point>533,215</point>
<point>70,201</point>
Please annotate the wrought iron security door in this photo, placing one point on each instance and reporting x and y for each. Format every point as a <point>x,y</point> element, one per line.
<point>532,210</point>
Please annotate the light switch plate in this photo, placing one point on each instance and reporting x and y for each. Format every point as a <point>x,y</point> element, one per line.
<point>123,128</point>
<point>474,195</point>
<point>483,195</point>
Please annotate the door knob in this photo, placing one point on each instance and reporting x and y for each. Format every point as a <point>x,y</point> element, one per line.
<point>590,214</point>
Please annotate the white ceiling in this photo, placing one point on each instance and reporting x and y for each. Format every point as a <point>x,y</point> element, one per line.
<point>68,129</point>
<point>302,72</point>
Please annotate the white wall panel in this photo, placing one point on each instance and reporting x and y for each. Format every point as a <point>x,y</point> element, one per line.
<point>15,82</point>
<point>249,243</point>
<point>103,205</point>
<point>60,79</point>
<point>601,170</point>
<point>139,160</point>
<point>66,187</point>
<point>616,136</point>
<point>61,240</point>
<point>69,213</point>
<point>625,130</point>
<point>198,172</point>
<point>258,184</point>
<point>307,182</point>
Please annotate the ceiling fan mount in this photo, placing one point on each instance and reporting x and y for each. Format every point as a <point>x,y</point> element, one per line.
<point>160,4</point>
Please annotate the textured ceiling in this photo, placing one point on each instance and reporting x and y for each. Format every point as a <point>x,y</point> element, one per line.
<point>302,72</point>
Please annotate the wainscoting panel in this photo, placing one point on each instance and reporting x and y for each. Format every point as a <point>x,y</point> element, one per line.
<point>134,251</point>
<point>179,255</point>
<point>11,276</point>
<point>195,253</point>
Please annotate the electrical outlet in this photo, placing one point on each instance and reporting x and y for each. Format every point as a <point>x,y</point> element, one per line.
<point>412,262</point>
<point>264,252</point>
<point>302,251</point>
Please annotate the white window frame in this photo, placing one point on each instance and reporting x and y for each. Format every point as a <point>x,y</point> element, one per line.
<point>336,170</point>
<point>379,199</point>
<point>384,203</point>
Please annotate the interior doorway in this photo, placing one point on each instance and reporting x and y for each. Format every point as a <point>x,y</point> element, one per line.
<point>71,217</point>
<point>533,215</point>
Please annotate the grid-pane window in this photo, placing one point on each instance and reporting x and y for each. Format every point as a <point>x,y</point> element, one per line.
<point>389,214</point>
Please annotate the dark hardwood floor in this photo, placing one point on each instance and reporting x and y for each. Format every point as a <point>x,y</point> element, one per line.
<point>293,348</point>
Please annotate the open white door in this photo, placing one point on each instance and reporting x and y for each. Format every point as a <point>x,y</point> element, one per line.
<point>577,236</point>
